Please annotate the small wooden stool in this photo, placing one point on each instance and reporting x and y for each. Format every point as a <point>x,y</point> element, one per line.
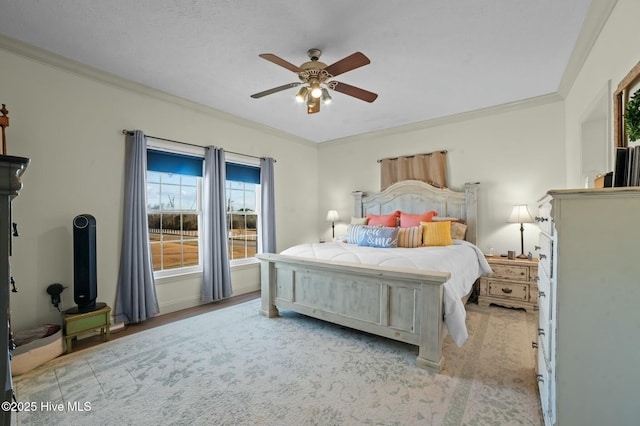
<point>77,323</point>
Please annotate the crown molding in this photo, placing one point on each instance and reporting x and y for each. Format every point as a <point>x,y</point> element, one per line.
<point>456,118</point>
<point>66,64</point>
<point>597,16</point>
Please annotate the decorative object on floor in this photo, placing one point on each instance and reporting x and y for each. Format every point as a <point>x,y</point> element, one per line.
<point>295,370</point>
<point>317,78</point>
<point>332,216</point>
<point>33,353</point>
<point>520,214</point>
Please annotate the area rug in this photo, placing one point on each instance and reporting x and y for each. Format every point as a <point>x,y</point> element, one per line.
<point>235,367</point>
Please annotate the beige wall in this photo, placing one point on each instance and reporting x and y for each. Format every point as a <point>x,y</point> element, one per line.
<point>516,155</point>
<point>70,126</point>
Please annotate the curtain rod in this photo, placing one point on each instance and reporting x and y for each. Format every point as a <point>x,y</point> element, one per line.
<point>130,132</point>
<point>411,156</point>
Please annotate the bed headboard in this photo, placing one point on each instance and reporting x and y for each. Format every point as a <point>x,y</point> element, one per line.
<point>413,196</point>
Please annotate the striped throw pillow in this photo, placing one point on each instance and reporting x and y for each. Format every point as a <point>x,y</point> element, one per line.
<point>352,233</point>
<point>410,237</point>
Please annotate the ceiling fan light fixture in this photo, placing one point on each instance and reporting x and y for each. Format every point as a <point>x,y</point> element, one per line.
<point>326,98</point>
<point>302,94</point>
<point>316,90</point>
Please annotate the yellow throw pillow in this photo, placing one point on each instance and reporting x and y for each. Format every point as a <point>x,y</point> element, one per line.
<point>436,233</point>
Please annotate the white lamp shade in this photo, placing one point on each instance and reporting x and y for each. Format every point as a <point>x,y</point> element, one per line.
<point>520,214</point>
<point>332,216</point>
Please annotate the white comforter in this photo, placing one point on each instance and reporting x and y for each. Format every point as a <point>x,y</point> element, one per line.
<point>463,260</point>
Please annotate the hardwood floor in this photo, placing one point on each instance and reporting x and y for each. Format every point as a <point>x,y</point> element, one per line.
<point>165,319</point>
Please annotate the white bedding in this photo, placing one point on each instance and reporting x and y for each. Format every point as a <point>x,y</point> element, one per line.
<point>463,260</point>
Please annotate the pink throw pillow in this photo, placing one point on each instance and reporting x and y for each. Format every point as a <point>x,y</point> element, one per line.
<point>386,220</point>
<point>409,220</point>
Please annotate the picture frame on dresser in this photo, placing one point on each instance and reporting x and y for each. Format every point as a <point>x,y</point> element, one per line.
<point>628,85</point>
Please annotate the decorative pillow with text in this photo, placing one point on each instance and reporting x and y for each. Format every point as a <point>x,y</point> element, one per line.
<point>377,236</point>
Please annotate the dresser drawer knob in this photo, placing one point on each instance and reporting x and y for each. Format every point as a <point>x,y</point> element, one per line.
<point>541,294</point>
<point>536,308</point>
<point>541,332</point>
<point>539,378</point>
<point>534,345</point>
<point>536,278</point>
<point>541,219</point>
<point>506,290</point>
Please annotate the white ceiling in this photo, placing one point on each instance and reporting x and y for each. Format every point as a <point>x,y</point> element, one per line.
<point>429,58</point>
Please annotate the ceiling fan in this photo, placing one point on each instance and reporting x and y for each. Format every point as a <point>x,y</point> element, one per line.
<point>316,77</point>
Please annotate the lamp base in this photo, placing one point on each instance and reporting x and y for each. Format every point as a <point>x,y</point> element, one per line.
<point>522,256</point>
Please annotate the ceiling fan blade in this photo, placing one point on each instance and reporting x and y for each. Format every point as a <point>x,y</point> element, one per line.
<point>356,92</point>
<point>279,61</point>
<point>312,109</point>
<point>349,63</point>
<point>275,90</point>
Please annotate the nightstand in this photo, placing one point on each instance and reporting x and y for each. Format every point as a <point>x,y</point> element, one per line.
<point>512,283</point>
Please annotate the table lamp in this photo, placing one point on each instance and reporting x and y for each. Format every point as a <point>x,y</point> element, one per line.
<point>520,214</point>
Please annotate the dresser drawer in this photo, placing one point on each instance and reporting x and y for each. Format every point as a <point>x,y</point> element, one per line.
<point>515,291</point>
<point>544,293</point>
<point>545,333</point>
<point>544,219</point>
<point>545,253</point>
<point>544,382</point>
<point>511,272</point>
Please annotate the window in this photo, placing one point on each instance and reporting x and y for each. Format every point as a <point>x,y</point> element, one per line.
<point>174,195</point>
<point>243,210</point>
<point>174,188</point>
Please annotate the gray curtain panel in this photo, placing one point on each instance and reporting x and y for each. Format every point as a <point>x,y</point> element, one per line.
<point>216,277</point>
<point>136,298</point>
<point>268,217</point>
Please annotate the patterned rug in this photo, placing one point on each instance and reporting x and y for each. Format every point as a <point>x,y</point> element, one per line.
<point>235,367</point>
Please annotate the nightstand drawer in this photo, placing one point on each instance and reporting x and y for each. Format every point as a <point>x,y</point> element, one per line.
<point>510,272</point>
<point>508,290</point>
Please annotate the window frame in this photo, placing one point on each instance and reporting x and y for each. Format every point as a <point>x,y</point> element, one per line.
<point>195,152</point>
<point>253,162</point>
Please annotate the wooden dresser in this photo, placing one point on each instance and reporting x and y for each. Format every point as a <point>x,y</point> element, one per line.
<point>589,306</point>
<point>512,283</point>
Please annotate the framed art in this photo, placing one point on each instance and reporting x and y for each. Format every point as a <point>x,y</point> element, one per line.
<point>627,87</point>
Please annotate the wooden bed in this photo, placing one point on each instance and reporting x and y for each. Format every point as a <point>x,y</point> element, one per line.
<point>397,303</point>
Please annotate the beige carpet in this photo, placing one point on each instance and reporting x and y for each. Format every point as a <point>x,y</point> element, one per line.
<point>233,366</point>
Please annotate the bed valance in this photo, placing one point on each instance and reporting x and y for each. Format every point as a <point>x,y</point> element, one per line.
<point>430,168</point>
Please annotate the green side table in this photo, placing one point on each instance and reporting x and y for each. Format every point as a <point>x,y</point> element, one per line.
<point>78,323</point>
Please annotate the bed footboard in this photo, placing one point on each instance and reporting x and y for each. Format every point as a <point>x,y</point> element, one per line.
<point>396,303</point>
